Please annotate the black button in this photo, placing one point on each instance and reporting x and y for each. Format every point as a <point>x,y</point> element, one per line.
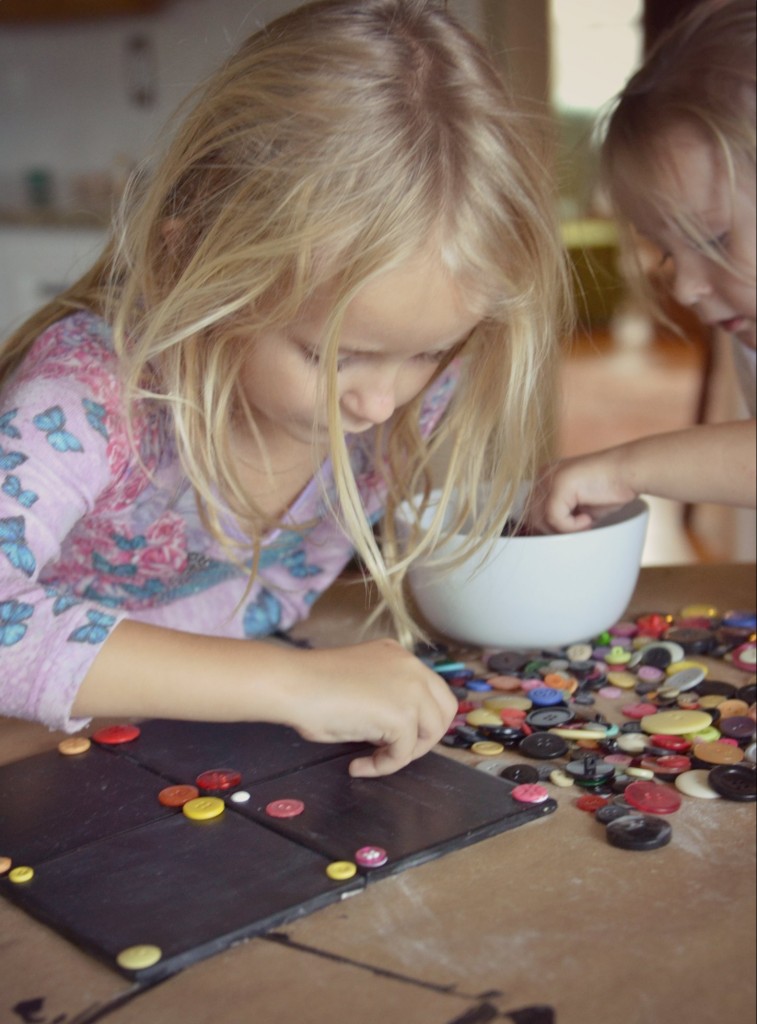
<point>657,657</point>
<point>505,663</point>
<point>714,687</point>
<point>549,718</point>
<point>590,770</point>
<point>748,693</point>
<point>734,781</point>
<point>611,812</point>
<point>693,641</point>
<point>639,833</point>
<point>521,773</point>
<point>543,745</point>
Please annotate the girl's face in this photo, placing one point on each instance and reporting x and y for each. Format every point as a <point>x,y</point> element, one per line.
<point>396,332</point>
<point>698,187</point>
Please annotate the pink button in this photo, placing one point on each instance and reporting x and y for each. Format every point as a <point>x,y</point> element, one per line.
<point>639,711</point>
<point>530,793</point>
<point>371,857</point>
<point>284,808</point>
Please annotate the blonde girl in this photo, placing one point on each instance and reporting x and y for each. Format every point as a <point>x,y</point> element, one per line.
<point>345,261</point>
<point>679,163</point>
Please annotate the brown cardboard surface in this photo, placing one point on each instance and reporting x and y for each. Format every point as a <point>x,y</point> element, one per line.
<point>547,914</point>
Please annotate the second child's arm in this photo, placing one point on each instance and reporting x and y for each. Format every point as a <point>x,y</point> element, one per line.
<point>710,463</point>
<point>375,692</point>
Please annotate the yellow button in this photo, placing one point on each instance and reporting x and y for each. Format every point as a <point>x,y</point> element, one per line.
<point>202,808</point>
<point>699,611</point>
<point>676,723</point>
<point>137,958</point>
<point>510,701</point>
<point>578,734</point>
<point>625,680</point>
<point>481,716</point>
<point>485,748</point>
<point>341,870</point>
<point>21,874</point>
<point>559,778</point>
<point>682,666</point>
<point>711,700</point>
<point>5,864</point>
<point>74,745</point>
<point>639,773</point>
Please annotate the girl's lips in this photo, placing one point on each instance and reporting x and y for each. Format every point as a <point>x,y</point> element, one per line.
<point>734,325</point>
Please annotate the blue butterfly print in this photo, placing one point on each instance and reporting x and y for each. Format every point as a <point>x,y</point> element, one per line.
<point>96,631</point>
<point>64,602</point>
<point>129,543</point>
<point>263,616</point>
<point>12,626</point>
<point>13,544</point>
<point>296,563</point>
<point>6,427</point>
<point>12,487</point>
<point>10,460</point>
<point>53,423</point>
<point>95,416</point>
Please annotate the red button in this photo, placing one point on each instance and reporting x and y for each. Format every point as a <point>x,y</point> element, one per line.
<point>677,744</point>
<point>177,796</point>
<point>639,711</point>
<point>218,778</point>
<point>670,764</point>
<point>530,793</point>
<point>112,735</point>
<point>591,802</point>
<point>652,797</point>
<point>285,808</point>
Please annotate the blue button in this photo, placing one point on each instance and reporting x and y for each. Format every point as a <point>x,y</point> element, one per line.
<point>546,697</point>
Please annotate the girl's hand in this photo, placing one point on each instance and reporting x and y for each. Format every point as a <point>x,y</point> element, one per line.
<point>574,494</point>
<point>374,692</point>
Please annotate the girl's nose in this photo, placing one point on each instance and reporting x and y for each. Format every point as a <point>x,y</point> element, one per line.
<point>370,401</point>
<point>691,282</point>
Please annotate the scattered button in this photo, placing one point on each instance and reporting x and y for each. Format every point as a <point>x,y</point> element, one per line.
<point>23,873</point>
<point>341,870</point>
<point>138,958</point>
<point>482,716</point>
<point>549,718</point>
<point>591,802</point>
<point>74,745</point>
<point>639,711</point>
<point>218,779</point>
<point>487,748</point>
<point>284,808</point>
<point>559,778</point>
<point>521,773</point>
<point>5,865</point>
<point>611,812</point>
<point>717,753</point>
<point>652,797</point>
<point>696,783</point>
<point>676,723</point>
<point>639,833</point>
<point>685,679</point>
<point>371,857</point>
<point>745,657</point>
<point>734,782</point>
<point>632,743</point>
<point>639,773</point>
<point>177,796</point>
<point>240,797</point>
<point>112,735</point>
<point>203,808</point>
<point>530,793</point>
<point>543,746</point>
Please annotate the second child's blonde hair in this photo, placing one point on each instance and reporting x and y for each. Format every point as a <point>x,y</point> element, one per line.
<point>339,142</point>
<point>699,76</point>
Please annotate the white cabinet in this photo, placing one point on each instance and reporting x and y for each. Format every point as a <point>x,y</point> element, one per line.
<point>37,262</point>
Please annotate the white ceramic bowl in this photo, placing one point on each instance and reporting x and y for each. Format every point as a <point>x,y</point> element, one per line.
<point>537,591</point>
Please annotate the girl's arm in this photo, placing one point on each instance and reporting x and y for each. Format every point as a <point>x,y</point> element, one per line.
<point>711,463</point>
<point>375,692</point>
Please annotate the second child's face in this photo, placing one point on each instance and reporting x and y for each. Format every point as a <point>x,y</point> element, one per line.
<point>721,294</point>
<point>395,333</point>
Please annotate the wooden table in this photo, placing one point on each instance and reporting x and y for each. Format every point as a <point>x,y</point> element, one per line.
<point>549,915</point>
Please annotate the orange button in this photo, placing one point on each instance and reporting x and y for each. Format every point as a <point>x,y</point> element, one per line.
<point>718,753</point>
<point>177,796</point>
<point>733,708</point>
<point>74,745</point>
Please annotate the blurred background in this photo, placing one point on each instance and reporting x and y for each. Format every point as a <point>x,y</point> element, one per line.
<point>87,85</point>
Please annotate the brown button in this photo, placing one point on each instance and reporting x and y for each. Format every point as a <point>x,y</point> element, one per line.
<point>718,753</point>
<point>733,708</point>
<point>74,745</point>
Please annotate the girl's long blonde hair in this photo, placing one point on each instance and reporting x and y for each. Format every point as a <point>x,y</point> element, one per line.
<point>340,141</point>
<point>700,75</point>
